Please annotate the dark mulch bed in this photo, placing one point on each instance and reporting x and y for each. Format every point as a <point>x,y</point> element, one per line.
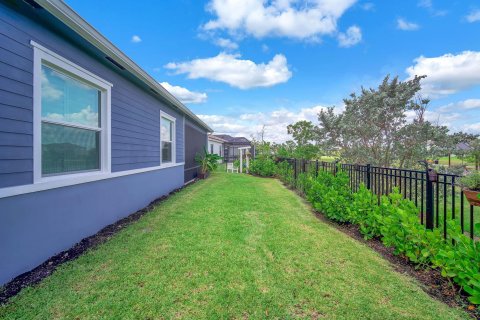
<point>431,280</point>
<point>48,267</point>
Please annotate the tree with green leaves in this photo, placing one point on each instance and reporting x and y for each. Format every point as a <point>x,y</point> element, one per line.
<point>304,134</point>
<point>385,126</point>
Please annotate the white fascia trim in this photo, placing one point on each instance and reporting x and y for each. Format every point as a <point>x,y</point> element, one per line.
<point>74,21</point>
<point>74,179</point>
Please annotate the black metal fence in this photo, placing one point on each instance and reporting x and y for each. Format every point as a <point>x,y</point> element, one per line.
<point>436,195</point>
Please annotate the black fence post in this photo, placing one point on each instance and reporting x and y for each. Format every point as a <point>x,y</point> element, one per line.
<point>429,200</point>
<point>316,168</point>
<point>368,173</point>
<point>295,170</point>
<point>335,167</point>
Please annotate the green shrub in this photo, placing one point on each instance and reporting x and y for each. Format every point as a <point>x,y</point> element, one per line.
<point>471,181</point>
<point>264,167</point>
<point>208,161</point>
<point>284,171</point>
<point>365,212</point>
<point>331,195</point>
<point>236,163</point>
<point>402,230</point>
<point>460,260</point>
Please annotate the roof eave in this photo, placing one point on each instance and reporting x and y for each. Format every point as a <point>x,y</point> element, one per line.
<point>216,139</point>
<point>73,20</point>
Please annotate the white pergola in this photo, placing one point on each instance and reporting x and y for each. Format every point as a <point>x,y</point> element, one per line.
<point>243,150</point>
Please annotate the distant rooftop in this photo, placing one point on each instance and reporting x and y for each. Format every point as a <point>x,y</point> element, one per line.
<point>230,139</point>
<point>463,146</point>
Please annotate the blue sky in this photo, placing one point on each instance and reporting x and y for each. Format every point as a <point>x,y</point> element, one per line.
<point>248,63</point>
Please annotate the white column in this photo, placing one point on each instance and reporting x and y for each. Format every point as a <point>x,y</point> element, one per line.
<point>248,160</point>
<point>241,160</point>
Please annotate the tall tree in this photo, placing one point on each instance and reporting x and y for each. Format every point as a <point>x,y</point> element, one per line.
<point>304,134</point>
<point>382,126</point>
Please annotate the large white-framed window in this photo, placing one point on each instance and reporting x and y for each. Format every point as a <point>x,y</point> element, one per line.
<point>167,139</point>
<point>71,119</point>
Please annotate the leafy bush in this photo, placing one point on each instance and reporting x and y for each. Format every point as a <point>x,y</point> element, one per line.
<point>207,161</point>
<point>402,230</point>
<point>366,213</point>
<point>471,181</point>
<point>457,169</point>
<point>264,167</point>
<point>236,163</point>
<point>284,171</point>
<point>460,260</point>
<point>331,195</point>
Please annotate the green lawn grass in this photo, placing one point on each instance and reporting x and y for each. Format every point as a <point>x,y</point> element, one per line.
<point>230,247</point>
<point>454,160</point>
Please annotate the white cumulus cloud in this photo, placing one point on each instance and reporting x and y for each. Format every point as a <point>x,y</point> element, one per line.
<point>185,95</point>
<point>405,25</point>
<point>239,73</point>
<point>250,124</point>
<point>473,16</point>
<point>469,104</point>
<point>425,3</point>
<point>136,39</point>
<point>447,74</point>
<point>471,128</point>
<point>300,19</point>
<point>226,44</point>
<point>350,38</point>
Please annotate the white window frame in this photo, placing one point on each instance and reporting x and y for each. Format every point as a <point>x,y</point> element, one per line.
<point>174,138</point>
<point>44,56</point>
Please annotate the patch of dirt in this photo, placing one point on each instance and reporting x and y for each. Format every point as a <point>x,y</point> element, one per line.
<point>48,267</point>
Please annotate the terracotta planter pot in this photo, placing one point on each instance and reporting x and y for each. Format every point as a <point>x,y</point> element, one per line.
<point>203,175</point>
<point>472,197</point>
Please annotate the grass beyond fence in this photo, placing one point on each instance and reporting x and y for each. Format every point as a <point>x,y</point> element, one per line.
<point>231,247</point>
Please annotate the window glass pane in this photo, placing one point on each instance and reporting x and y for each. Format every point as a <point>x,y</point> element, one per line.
<point>166,152</point>
<point>166,130</point>
<point>66,149</point>
<point>67,99</point>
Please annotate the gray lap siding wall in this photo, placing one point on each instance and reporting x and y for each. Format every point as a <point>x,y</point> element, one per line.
<point>135,112</point>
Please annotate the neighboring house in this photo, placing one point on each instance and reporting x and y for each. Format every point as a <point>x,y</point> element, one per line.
<point>231,145</point>
<point>86,136</point>
<point>216,145</point>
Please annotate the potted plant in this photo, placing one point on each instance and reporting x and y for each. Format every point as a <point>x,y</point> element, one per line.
<point>471,187</point>
<point>208,162</point>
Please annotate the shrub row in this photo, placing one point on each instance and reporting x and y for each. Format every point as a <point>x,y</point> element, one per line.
<point>264,166</point>
<point>395,221</point>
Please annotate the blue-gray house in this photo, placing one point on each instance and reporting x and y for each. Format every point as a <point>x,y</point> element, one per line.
<point>86,136</point>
